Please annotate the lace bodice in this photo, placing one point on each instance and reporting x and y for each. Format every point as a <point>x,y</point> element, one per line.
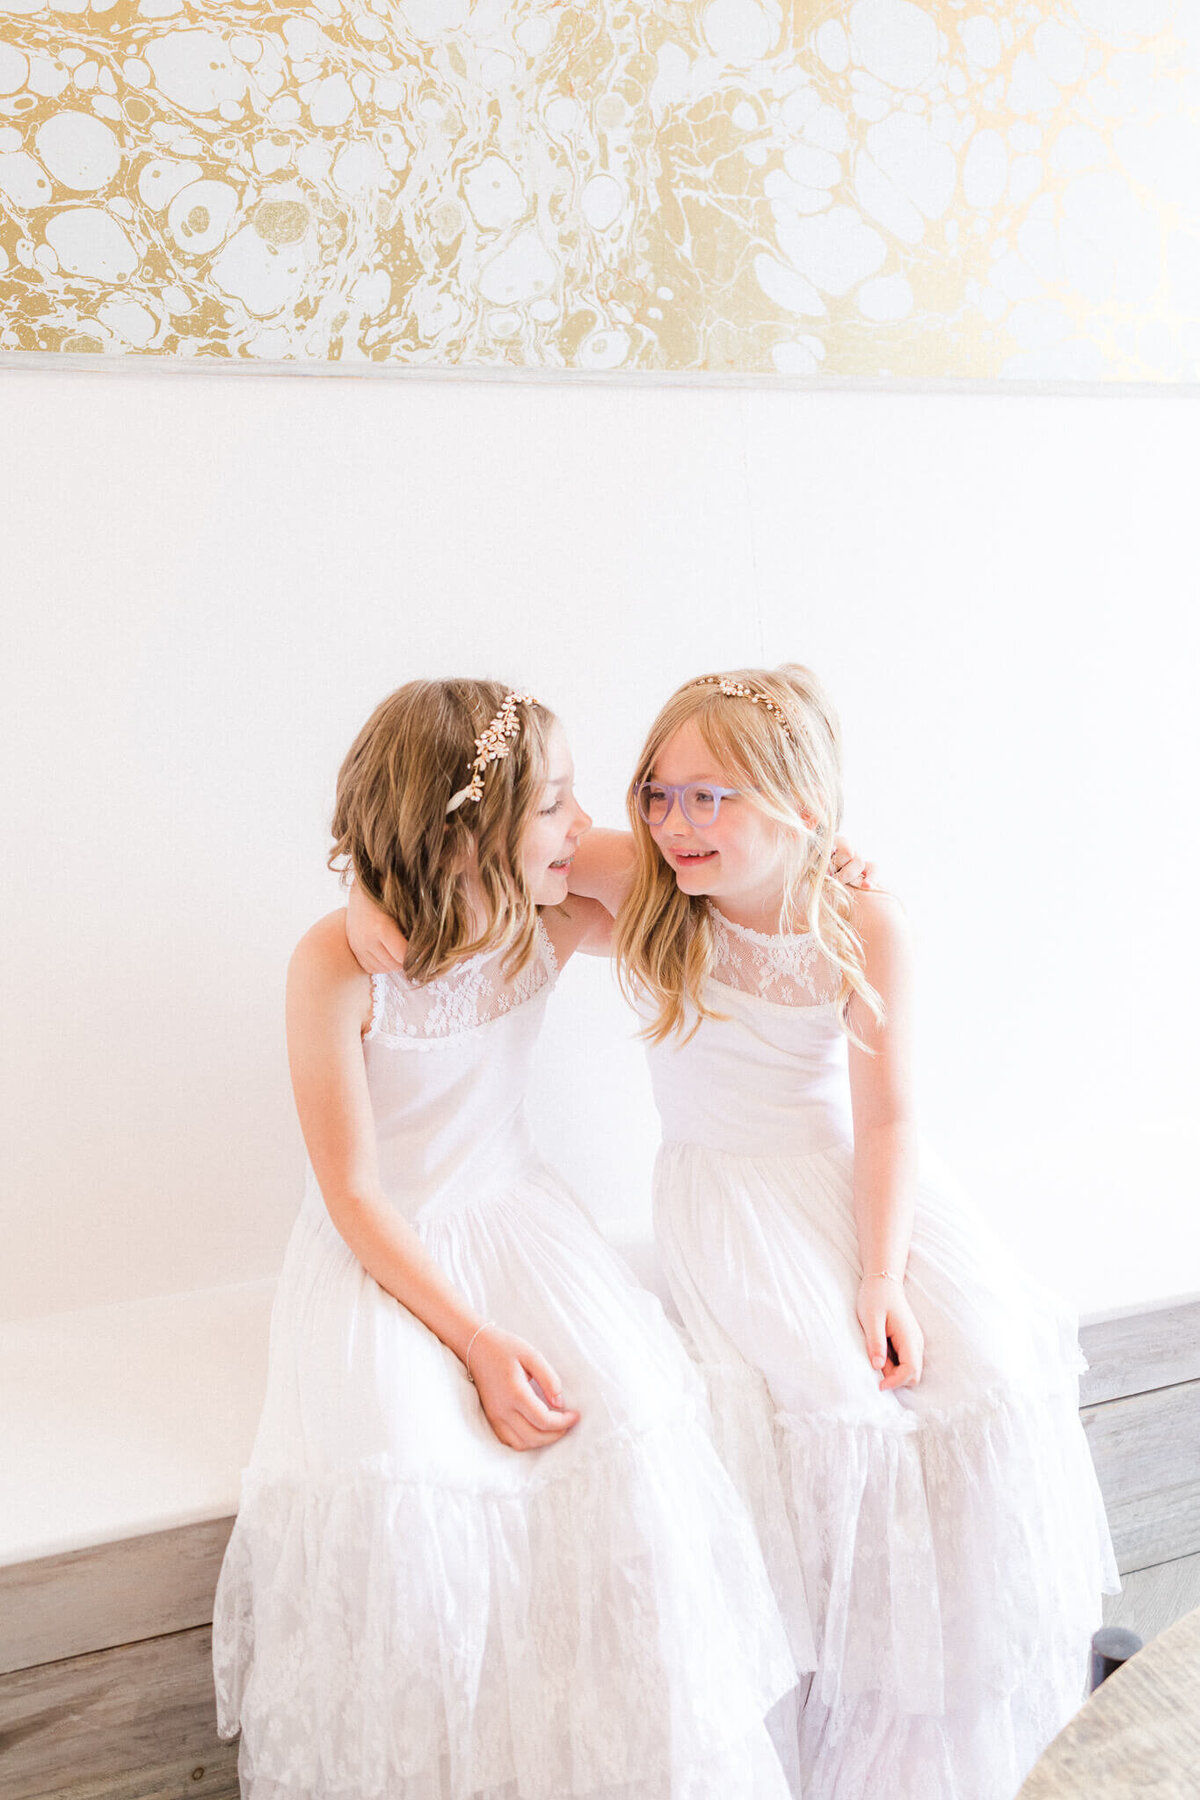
<point>447,1066</point>
<point>789,969</point>
<point>768,1076</point>
<point>469,994</point>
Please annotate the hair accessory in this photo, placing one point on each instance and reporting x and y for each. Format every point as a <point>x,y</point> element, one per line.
<point>491,745</point>
<point>737,690</point>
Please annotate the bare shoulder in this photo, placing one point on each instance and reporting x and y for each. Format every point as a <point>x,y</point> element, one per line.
<point>323,966</point>
<point>881,922</point>
<point>324,950</point>
<point>877,911</point>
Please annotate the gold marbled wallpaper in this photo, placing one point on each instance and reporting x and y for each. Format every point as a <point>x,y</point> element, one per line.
<point>848,187</point>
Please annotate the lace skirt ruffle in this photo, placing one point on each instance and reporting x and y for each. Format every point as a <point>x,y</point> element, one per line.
<point>595,1635</point>
<point>952,1555</point>
<point>438,1617</point>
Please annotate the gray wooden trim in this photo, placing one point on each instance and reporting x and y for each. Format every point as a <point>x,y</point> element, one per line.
<point>1146,1448</point>
<point>141,1587</point>
<point>96,1717</point>
<point>1143,1348</point>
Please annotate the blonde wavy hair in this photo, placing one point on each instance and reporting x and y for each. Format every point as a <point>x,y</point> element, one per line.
<point>391,828</point>
<point>789,763</point>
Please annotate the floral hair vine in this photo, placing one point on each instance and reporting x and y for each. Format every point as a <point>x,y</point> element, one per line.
<point>737,690</point>
<point>492,745</point>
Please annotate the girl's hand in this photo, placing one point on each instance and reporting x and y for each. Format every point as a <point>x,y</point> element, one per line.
<point>374,939</point>
<point>895,1342</point>
<point>846,864</point>
<point>504,1369</point>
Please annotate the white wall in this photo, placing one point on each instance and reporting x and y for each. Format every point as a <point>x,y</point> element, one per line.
<point>211,580</point>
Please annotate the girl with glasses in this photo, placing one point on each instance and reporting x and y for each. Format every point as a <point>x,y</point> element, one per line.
<point>916,1390</point>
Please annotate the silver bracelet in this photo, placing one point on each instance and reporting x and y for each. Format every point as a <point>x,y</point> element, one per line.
<point>471,1346</point>
<point>883,1275</point>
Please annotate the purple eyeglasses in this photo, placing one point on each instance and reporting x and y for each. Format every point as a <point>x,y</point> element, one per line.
<point>699,801</point>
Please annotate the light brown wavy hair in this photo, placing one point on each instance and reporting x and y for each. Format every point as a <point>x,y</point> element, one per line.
<point>391,828</point>
<point>664,939</point>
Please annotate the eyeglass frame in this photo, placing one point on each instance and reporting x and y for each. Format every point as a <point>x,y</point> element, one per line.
<point>676,792</point>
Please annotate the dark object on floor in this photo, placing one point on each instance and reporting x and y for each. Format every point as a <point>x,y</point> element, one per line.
<point>1111,1646</point>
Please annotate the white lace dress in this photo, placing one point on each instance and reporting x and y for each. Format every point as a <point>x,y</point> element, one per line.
<point>407,1609</point>
<point>952,1535</point>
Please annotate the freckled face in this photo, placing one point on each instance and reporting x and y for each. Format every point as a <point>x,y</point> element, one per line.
<point>556,826</point>
<point>738,859</point>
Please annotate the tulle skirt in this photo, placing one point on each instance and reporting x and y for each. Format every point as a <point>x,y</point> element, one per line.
<point>951,1537</point>
<point>408,1610</point>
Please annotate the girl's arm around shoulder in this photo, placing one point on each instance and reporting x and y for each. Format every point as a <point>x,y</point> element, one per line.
<point>603,867</point>
<point>578,924</point>
<point>373,937</point>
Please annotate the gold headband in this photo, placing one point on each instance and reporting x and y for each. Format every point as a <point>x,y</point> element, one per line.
<point>490,746</point>
<point>737,690</point>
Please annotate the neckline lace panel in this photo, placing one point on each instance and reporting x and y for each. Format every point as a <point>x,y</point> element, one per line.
<point>788,968</point>
<point>472,993</point>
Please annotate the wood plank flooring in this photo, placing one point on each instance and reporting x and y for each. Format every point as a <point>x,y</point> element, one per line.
<point>95,1718</point>
<point>1151,1599</point>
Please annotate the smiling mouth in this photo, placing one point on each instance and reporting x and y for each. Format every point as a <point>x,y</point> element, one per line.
<point>564,863</point>
<point>693,856</point>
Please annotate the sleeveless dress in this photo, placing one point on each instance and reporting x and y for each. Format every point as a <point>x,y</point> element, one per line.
<point>952,1535</point>
<point>408,1609</point>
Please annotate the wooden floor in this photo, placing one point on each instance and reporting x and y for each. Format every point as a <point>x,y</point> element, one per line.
<point>105,1672</point>
<point>129,1723</point>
